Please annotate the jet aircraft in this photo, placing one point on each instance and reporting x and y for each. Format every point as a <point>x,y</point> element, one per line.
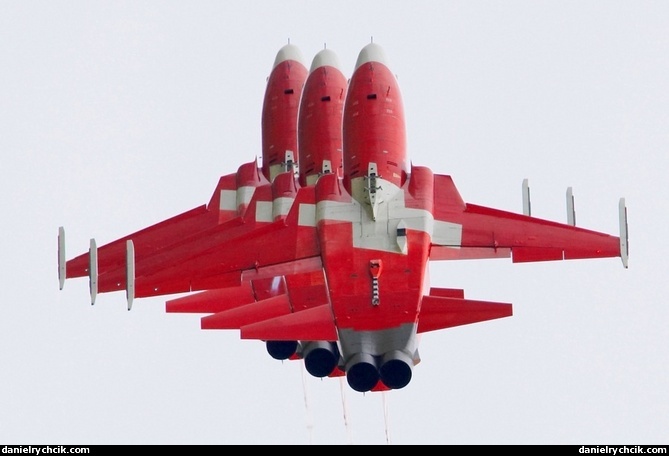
<point>322,250</point>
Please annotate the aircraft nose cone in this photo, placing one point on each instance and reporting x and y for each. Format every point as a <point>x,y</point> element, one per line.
<point>288,52</point>
<point>371,53</point>
<point>326,57</point>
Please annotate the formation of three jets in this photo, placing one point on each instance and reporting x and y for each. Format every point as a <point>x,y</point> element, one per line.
<point>322,250</point>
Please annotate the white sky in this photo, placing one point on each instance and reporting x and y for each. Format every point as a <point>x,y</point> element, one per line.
<point>115,115</point>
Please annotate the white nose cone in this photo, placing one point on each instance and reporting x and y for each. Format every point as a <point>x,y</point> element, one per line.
<point>326,57</point>
<point>371,53</point>
<point>288,52</point>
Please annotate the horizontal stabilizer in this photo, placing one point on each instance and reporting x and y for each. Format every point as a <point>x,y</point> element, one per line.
<point>312,324</point>
<point>443,312</point>
<point>212,301</point>
<point>248,314</point>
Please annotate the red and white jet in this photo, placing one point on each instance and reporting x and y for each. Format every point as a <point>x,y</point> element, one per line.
<point>322,250</point>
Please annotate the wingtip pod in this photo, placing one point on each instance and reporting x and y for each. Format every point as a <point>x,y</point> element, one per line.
<point>527,205</point>
<point>624,236</point>
<point>130,272</point>
<point>93,270</point>
<point>61,257</point>
<point>571,212</point>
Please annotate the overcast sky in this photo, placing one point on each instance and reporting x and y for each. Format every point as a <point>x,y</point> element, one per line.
<point>115,115</point>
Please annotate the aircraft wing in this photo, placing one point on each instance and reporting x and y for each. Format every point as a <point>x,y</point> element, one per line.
<point>463,230</point>
<point>208,247</point>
